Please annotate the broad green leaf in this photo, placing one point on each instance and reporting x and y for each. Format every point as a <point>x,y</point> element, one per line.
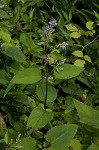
<point>15,54</point>
<point>87,58</point>
<point>61,136</point>
<point>28,143</point>
<point>3,14</point>
<point>93,147</point>
<point>27,76</point>
<point>71,27</point>
<point>89,25</point>
<point>41,92</point>
<point>75,35</point>
<point>5,35</point>
<point>87,114</point>
<point>67,71</point>
<point>79,63</point>
<point>78,53</point>
<point>39,118</point>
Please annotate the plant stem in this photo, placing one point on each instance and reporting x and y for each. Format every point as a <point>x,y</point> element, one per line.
<point>90,42</point>
<point>46,84</point>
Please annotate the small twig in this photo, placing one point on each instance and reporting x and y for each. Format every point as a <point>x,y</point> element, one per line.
<point>90,43</point>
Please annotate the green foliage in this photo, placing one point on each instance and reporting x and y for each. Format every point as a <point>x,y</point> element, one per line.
<point>39,118</point>
<point>49,78</point>
<point>27,76</point>
<point>67,71</point>
<point>41,92</point>
<point>61,136</point>
<point>87,114</point>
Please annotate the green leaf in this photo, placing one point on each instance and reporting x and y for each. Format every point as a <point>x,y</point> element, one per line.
<point>84,81</point>
<point>7,137</point>
<point>33,2</point>
<point>79,63</point>
<point>93,147</point>
<point>61,136</point>
<point>26,39</point>
<point>78,53</point>
<point>27,76</point>
<point>8,88</point>
<point>96,15</point>
<point>75,144</point>
<point>39,118</point>
<point>75,35</point>
<point>41,92</point>
<point>3,14</point>
<point>89,25</point>
<point>71,27</point>
<point>67,71</point>
<point>87,58</point>
<point>3,78</point>
<point>87,114</point>
<point>5,35</point>
<point>15,54</point>
<point>28,143</point>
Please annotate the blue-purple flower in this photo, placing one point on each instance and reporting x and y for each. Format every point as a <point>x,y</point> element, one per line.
<point>46,30</point>
<point>47,59</point>
<point>49,29</point>
<point>63,45</point>
<point>53,23</point>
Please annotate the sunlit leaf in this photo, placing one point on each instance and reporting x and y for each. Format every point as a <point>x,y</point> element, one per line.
<point>71,27</point>
<point>88,58</point>
<point>5,35</point>
<point>89,25</point>
<point>79,63</point>
<point>75,35</point>
<point>78,53</point>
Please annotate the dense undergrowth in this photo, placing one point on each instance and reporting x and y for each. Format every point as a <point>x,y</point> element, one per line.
<point>49,75</point>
